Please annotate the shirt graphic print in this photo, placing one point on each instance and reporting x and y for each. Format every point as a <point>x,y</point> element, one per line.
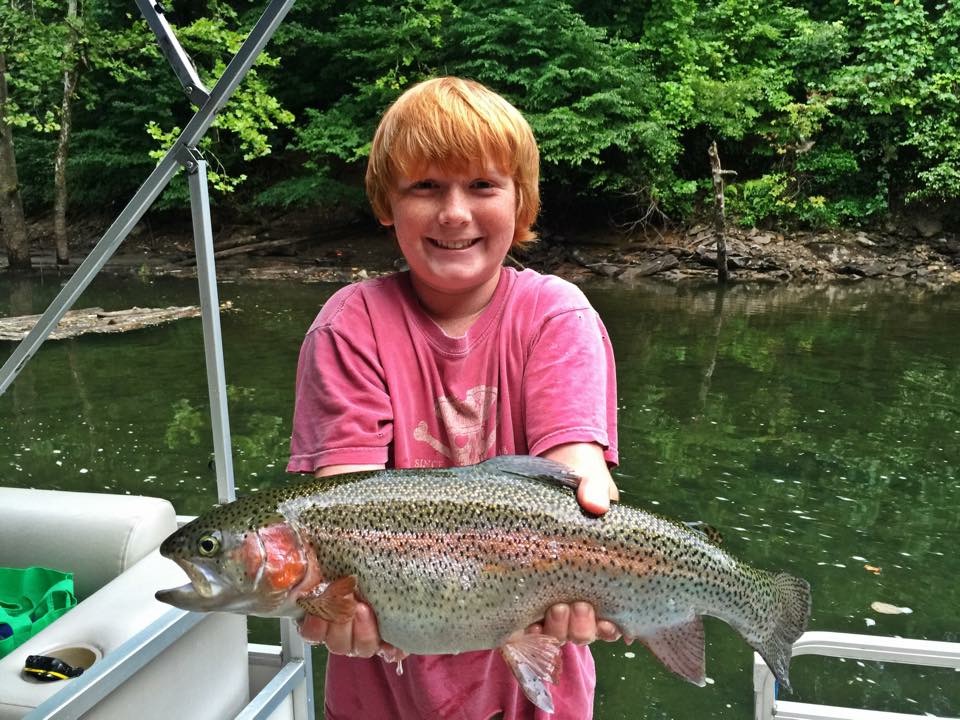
<point>470,426</point>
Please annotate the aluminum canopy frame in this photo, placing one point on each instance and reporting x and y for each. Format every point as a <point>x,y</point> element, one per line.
<point>907,651</point>
<point>296,677</point>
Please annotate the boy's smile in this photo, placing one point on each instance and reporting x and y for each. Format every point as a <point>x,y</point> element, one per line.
<point>454,229</point>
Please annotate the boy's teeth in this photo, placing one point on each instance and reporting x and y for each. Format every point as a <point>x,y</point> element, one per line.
<point>453,245</point>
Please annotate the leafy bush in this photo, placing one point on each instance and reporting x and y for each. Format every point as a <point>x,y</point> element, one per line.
<point>831,113</point>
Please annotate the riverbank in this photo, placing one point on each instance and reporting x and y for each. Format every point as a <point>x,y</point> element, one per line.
<point>296,250</point>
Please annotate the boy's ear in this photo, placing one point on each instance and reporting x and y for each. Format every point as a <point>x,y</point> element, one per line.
<point>386,221</point>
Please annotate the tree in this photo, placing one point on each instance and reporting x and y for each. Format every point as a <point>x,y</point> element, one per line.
<point>31,49</point>
<point>12,220</point>
<point>71,66</point>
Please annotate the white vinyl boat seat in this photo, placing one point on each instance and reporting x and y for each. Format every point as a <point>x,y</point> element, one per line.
<point>95,536</point>
<point>109,542</point>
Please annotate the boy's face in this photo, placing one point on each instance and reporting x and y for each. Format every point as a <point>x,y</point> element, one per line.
<point>454,228</point>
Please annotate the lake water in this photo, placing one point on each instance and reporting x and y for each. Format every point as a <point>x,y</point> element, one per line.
<point>817,428</point>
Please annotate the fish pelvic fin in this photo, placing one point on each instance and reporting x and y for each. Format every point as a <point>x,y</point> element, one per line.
<point>535,660</point>
<point>334,602</point>
<point>532,466</point>
<point>681,649</point>
<point>791,608</point>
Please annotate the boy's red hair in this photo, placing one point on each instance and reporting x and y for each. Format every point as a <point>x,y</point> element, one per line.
<point>458,125</point>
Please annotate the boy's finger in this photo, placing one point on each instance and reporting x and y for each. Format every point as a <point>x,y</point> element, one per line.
<point>313,629</point>
<point>340,638</point>
<point>594,495</point>
<point>583,623</point>
<point>366,634</point>
<point>557,622</point>
<point>607,631</point>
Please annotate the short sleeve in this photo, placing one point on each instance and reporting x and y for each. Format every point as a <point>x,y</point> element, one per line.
<point>342,412</point>
<point>569,388</point>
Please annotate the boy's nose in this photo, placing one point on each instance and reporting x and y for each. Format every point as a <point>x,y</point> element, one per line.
<point>455,209</point>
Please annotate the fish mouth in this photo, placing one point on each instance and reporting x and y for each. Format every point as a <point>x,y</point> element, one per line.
<point>207,593</point>
<point>202,593</point>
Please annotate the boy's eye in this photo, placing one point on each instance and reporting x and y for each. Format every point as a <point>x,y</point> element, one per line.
<point>423,185</point>
<point>483,184</point>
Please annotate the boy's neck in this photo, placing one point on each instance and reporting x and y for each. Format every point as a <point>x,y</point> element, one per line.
<point>455,312</point>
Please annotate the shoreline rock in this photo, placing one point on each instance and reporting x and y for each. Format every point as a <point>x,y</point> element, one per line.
<point>352,253</point>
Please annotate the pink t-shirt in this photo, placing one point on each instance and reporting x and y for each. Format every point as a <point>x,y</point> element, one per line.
<point>380,382</point>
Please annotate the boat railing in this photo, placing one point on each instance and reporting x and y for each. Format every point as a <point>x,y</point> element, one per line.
<point>295,676</point>
<point>767,706</point>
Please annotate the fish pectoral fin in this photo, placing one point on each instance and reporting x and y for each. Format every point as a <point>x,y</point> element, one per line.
<point>535,660</point>
<point>681,649</point>
<point>334,602</point>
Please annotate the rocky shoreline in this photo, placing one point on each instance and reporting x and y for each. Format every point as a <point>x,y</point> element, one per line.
<point>356,252</point>
<point>805,257</point>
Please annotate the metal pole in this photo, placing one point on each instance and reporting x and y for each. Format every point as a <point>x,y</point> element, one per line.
<point>293,647</point>
<point>212,337</point>
<point>183,152</point>
<point>181,63</point>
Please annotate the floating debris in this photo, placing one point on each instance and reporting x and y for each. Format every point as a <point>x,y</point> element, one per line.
<point>98,320</point>
<point>888,609</point>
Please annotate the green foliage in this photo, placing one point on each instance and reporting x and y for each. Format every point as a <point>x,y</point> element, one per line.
<point>831,113</point>
<point>589,97</point>
<point>755,201</point>
<point>31,38</point>
<point>240,133</point>
<point>897,99</point>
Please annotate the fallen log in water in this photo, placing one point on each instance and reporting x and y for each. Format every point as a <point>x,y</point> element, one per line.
<point>98,320</point>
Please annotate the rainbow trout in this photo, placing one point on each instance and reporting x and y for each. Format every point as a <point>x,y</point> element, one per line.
<point>465,558</point>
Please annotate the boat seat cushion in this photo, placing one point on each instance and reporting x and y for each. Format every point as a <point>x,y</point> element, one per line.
<point>95,536</point>
<point>202,675</point>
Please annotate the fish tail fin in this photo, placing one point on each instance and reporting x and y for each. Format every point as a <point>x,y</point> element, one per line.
<point>791,609</point>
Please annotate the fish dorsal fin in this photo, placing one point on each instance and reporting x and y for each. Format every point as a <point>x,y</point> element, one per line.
<point>681,649</point>
<point>706,531</point>
<point>535,660</point>
<point>531,466</point>
<point>334,602</point>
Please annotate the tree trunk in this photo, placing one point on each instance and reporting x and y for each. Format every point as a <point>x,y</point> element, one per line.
<point>719,218</point>
<point>12,221</point>
<point>70,72</point>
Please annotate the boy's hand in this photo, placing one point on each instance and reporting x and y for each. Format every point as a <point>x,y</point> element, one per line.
<point>358,637</point>
<point>596,488</point>
<point>576,623</point>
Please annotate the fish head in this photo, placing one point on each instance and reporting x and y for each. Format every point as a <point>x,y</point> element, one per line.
<point>256,567</point>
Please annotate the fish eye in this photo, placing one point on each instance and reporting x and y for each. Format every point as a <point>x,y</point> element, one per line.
<point>208,545</point>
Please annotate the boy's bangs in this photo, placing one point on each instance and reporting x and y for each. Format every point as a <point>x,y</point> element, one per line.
<point>451,147</point>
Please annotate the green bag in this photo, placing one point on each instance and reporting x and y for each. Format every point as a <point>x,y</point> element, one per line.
<point>31,599</point>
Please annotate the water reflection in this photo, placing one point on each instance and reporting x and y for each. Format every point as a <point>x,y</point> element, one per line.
<point>816,428</point>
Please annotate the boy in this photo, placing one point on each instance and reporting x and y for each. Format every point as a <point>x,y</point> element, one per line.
<point>451,363</point>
